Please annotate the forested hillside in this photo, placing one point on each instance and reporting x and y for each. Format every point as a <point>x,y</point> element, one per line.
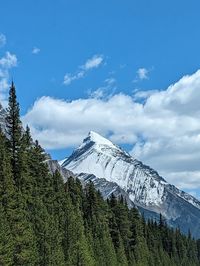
<point>44,221</point>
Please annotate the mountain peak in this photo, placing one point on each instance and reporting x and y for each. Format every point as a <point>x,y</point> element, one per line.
<point>98,139</point>
<point>100,158</point>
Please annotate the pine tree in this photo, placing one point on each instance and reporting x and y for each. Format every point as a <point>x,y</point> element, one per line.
<point>14,128</point>
<point>24,249</point>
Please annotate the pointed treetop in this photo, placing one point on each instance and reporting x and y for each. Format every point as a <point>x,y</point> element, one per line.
<point>12,84</point>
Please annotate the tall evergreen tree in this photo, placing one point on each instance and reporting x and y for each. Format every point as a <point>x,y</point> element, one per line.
<point>14,127</point>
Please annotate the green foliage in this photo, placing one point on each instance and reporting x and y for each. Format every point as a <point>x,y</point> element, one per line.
<point>6,240</point>
<point>46,222</point>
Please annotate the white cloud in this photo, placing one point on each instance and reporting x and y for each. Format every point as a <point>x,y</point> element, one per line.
<point>35,50</point>
<point>2,40</point>
<point>141,74</point>
<point>6,63</point>
<point>74,118</point>
<point>91,63</point>
<point>164,131</point>
<point>68,78</point>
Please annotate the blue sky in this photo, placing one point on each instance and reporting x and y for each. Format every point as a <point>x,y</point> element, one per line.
<point>115,55</point>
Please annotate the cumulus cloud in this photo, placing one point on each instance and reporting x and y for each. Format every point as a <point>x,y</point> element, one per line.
<point>164,131</point>
<point>91,63</point>
<point>7,62</point>
<point>35,50</point>
<point>2,40</point>
<point>83,114</point>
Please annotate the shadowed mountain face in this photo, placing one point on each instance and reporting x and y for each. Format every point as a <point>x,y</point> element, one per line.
<point>98,158</point>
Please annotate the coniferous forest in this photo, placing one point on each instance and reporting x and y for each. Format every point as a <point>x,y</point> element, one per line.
<point>44,221</point>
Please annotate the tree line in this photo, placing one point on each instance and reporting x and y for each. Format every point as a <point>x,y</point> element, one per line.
<point>46,222</point>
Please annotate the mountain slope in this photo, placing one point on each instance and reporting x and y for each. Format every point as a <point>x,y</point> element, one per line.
<point>99,157</point>
<point>105,187</point>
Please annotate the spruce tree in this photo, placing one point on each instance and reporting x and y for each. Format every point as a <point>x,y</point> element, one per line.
<point>14,131</point>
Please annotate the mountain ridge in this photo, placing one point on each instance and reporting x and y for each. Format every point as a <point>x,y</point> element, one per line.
<point>145,187</point>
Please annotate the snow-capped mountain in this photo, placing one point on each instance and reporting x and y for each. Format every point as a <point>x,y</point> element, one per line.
<point>99,157</point>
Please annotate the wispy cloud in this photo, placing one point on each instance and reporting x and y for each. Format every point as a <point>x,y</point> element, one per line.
<point>104,92</point>
<point>98,93</point>
<point>142,74</point>
<point>7,62</point>
<point>2,39</point>
<point>90,64</point>
<point>93,62</point>
<point>110,81</point>
<point>68,78</point>
<point>35,50</point>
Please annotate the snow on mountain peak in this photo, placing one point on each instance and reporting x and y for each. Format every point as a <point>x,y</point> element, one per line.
<point>100,157</point>
<point>97,139</point>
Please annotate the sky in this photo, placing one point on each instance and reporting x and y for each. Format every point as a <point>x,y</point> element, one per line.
<point>128,70</point>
